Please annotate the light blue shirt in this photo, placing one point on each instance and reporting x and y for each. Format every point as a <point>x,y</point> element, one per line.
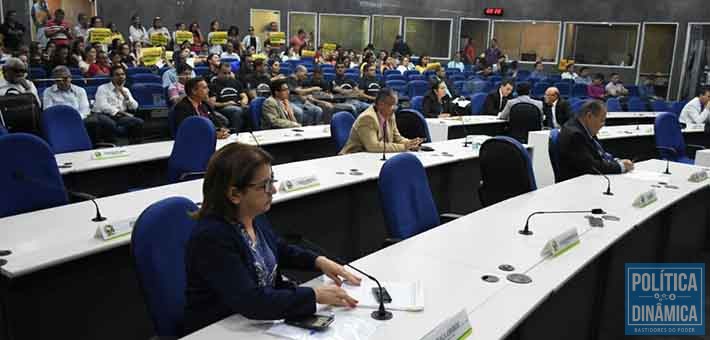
<point>74,97</point>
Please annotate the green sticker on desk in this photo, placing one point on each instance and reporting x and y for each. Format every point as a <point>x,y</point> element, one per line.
<point>109,154</point>
<point>456,327</point>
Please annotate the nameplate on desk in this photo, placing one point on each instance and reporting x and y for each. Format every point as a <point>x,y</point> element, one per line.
<point>561,243</point>
<point>454,328</point>
<point>110,230</point>
<point>698,176</point>
<point>109,154</point>
<point>300,183</point>
<point>645,199</point>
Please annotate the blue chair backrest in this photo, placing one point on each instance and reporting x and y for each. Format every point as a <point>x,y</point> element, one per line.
<point>194,145</point>
<point>678,106</point>
<point>613,105</point>
<point>456,76</point>
<point>417,103</point>
<point>145,78</point>
<point>201,70</point>
<point>564,87</point>
<point>340,126</point>
<point>37,73</point>
<point>553,149</point>
<point>413,77</point>
<point>97,81</point>
<point>477,101</point>
<point>579,90</point>
<point>64,130</point>
<point>409,73</point>
<point>506,170</point>
<point>636,104</point>
<point>149,95</point>
<point>407,202</point>
<point>3,130</point>
<point>352,76</point>
<point>40,185</point>
<point>660,106</point>
<point>138,70</point>
<point>255,112</point>
<point>577,105</point>
<point>495,78</point>
<point>554,78</point>
<point>539,89</point>
<point>158,243</point>
<point>633,90</point>
<point>397,76</point>
<point>422,128</point>
<point>390,72</point>
<point>417,88</point>
<point>668,134</point>
<point>91,92</point>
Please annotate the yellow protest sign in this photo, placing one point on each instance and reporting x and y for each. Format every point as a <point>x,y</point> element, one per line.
<point>151,55</point>
<point>100,35</point>
<point>277,38</point>
<point>308,53</point>
<point>259,56</point>
<point>182,36</point>
<point>329,47</point>
<point>158,39</point>
<point>217,38</point>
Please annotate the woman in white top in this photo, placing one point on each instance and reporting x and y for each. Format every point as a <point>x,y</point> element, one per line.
<point>136,32</point>
<point>214,27</point>
<point>159,29</point>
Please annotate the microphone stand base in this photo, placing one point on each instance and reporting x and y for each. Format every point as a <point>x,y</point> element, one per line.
<point>383,158</point>
<point>99,219</point>
<point>3,262</point>
<point>381,315</point>
<point>525,232</point>
<point>609,193</point>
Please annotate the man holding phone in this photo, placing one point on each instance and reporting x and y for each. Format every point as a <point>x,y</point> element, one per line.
<point>113,101</point>
<point>376,130</point>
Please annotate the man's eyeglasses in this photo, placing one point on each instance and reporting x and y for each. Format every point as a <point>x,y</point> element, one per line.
<point>266,185</point>
<point>19,70</point>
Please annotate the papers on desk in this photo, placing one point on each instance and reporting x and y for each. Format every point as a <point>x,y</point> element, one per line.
<point>461,102</point>
<point>406,296</point>
<point>345,327</point>
<point>648,176</point>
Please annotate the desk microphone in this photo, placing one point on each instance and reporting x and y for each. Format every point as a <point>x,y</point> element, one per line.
<point>526,231</point>
<point>668,161</point>
<point>21,177</point>
<point>384,145</point>
<point>381,313</point>
<point>608,182</point>
<point>466,142</point>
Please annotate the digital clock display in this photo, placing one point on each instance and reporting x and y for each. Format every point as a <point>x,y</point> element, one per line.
<point>493,11</point>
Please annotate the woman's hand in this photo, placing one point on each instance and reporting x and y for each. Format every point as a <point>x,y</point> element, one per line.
<point>334,295</point>
<point>335,271</point>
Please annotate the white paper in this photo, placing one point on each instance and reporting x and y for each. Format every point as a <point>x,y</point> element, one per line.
<point>406,296</point>
<point>648,176</point>
<point>344,327</point>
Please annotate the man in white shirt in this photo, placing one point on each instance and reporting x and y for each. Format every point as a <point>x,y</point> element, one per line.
<point>113,101</point>
<point>697,111</point>
<point>615,88</point>
<point>523,90</point>
<point>570,73</point>
<point>63,92</point>
<point>15,73</point>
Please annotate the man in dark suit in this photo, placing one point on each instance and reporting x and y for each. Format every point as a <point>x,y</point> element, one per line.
<point>556,110</point>
<point>496,100</point>
<point>580,152</point>
<point>195,104</point>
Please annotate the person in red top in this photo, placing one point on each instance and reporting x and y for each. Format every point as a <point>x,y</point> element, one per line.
<point>469,52</point>
<point>298,41</point>
<point>197,38</point>
<point>58,30</point>
<point>102,67</point>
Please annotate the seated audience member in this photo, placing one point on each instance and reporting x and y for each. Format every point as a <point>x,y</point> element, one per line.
<point>510,69</point>
<point>697,110</point>
<point>113,101</point>
<point>15,74</point>
<point>234,260</point>
<point>257,80</point>
<point>556,110</point>
<point>580,151</point>
<point>158,28</point>
<point>456,63</point>
<point>102,67</point>
<point>450,87</point>
<point>343,86</point>
<point>277,111</point>
<point>437,103</point>
<point>229,52</point>
<point>63,92</point>
<point>596,88</point>
<point>523,97</point>
<point>213,62</point>
<point>647,89</point>
<point>498,98</point>
<point>376,130</point>
<point>12,31</point>
<point>170,76</point>
<point>406,65</point>
<point>195,104</point>
<point>423,64</point>
<point>369,84</point>
<point>228,97</point>
<point>116,59</point>
<point>615,87</point>
<point>539,72</point>
<point>176,91</point>
<point>324,96</point>
<point>136,32</point>
<point>275,71</point>
<point>584,76</point>
<point>570,72</point>
<point>58,29</point>
<point>400,46</point>
<point>311,109</point>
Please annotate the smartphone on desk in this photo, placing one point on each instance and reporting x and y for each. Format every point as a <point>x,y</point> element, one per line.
<point>315,322</point>
<point>385,295</point>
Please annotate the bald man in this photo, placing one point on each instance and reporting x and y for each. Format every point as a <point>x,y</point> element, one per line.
<point>555,109</point>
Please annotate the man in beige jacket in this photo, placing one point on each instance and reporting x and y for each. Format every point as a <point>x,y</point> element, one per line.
<point>367,131</point>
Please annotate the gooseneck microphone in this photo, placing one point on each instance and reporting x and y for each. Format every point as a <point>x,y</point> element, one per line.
<point>381,313</point>
<point>526,231</point>
<point>22,177</point>
<point>384,143</point>
<point>608,182</point>
<point>668,161</point>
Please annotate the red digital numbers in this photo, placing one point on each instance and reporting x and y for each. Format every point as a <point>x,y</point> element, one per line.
<point>493,11</point>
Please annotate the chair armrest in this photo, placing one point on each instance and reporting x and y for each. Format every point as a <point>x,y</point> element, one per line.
<point>673,151</point>
<point>448,217</point>
<point>695,146</point>
<point>187,175</point>
<point>105,145</point>
<point>390,241</point>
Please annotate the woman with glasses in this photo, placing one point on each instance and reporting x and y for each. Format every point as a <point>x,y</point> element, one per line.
<point>234,259</point>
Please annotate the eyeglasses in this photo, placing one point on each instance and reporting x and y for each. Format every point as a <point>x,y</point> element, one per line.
<point>266,185</point>
<point>19,70</point>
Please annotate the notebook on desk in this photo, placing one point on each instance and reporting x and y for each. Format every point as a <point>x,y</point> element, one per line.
<point>406,296</point>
